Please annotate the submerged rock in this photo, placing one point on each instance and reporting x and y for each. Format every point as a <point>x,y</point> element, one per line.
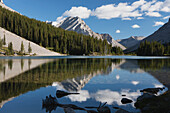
<point>103,108</point>
<point>50,103</point>
<point>157,104</point>
<point>145,96</point>
<point>100,109</point>
<point>152,90</point>
<point>126,101</point>
<point>61,94</point>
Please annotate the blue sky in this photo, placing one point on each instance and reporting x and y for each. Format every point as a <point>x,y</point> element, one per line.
<point>127,17</point>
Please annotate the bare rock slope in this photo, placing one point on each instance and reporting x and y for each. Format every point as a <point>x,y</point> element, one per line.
<point>110,40</point>
<point>17,40</point>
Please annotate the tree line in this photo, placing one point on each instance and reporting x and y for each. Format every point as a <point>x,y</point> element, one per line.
<point>50,37</point>
<point>153,48</point>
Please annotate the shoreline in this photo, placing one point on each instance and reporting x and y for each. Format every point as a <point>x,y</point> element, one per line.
<point>81,57</point>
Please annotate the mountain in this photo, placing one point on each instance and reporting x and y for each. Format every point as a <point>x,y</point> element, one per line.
<point>161,35</point>
<point>78,25</point>
<point>49,36</point>
<point>110,40</point>
<point>129,42</point>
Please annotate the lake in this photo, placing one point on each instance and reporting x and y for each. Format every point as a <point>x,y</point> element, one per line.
<point>25,81</point>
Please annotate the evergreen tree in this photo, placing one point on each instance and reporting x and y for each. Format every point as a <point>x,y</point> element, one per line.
<point>1,43</point>
<point>151,49</point>
<point>29,48</point>
<point>22,48</point>
<point>4,40</point>
<point>10,49</point>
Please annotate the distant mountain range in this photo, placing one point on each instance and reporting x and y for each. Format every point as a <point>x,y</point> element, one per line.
<point>110,40</point>
<point>161,35</point>
<point>129,42</point>
<point>128,45</point>
<point>78,25</point>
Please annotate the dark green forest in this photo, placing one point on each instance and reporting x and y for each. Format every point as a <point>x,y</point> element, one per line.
<point>154,48</point>
<point>50,37</point>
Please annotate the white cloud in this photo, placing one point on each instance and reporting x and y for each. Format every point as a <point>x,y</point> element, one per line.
<point>126,19</point>
<point>139,18</point>
<point>80,11</point>
<point>155,7</point>
<point>166,9</point>
<point>117,31</point>
<point>125,11</point>
<point>59,19</point>
<point>158,85</point>
<point>113,96</point>
<point>122,10</point>
<point>166,6</point>
<point>167,17</point>
<point>135,82</point>
<point>117,77</point>
<point>147,5</point>
<point>83,96</point>
<point>135,26</point>
<point>138,3</point>
<point>158,23</point>
<point>153,14</point>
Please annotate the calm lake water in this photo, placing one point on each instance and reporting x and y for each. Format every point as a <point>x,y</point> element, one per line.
<point>25,81</point>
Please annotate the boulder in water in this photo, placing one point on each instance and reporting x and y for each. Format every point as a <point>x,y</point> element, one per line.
<point>126,101</point>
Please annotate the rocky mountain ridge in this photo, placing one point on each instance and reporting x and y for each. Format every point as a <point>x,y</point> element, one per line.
<point>131,41</point>
<point>78,25</point>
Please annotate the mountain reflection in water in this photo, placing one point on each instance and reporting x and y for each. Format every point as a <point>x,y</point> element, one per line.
<point>97,80</point>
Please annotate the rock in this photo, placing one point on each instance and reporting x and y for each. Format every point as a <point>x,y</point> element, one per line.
<point>60,93</point>
<point>69,110</point>
<point>152,90</point>
<point>50,103</point>
<point>126,101</point>
<point>123,95</point>
<point>145,96</point>
<point>103,108</point>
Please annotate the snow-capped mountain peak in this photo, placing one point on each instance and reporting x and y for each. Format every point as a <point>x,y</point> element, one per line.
<point>78,25</point>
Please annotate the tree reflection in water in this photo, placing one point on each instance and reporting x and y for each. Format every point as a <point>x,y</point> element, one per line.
<point>59,70</point>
